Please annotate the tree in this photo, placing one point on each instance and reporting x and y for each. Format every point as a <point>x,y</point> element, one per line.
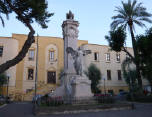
<point>3,79</point>
<point>94,74</point>
<point>130,75</point>
<point>27,11</point>
<point>116,40</point>
<point>144,44</point>
<point>129,14</point>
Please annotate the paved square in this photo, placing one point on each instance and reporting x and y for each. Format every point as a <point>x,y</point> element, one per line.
<point>24,109</point>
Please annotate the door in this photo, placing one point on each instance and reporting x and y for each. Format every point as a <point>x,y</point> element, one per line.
<point>51,77</point>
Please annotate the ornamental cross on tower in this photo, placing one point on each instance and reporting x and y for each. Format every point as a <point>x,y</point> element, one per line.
<point>70,15</point>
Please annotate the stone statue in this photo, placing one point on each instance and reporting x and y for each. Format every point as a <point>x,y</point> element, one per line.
<point>70,15</point>
<point>78,58</point>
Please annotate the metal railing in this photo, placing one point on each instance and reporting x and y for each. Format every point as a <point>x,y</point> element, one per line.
<point>56,101</point>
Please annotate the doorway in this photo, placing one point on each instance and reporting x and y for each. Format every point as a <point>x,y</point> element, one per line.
<point>51,77</point>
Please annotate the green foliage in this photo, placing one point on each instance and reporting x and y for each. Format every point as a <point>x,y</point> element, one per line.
<point>94,74</point>
<point>129,13</point>
<point>105,99</point>
<point>144,44</point>
<point>129,74</point>
<point>51,101</point>
<point>27,11</point>
<point>131,79</point>
<point>4,9</point>
<point>144,99</point>
<point>33,10</point>
<point>116,39</point>
<point>3,79</point>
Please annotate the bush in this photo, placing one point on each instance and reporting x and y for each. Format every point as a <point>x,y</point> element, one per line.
<point>51,101</point>
<point>146,99</point>
<point>140,98</point>
<point>94,74</point>
<point>104,98</point>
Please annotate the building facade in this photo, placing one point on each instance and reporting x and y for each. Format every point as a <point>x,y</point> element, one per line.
<point>51,62</point>
<point>109,62</point>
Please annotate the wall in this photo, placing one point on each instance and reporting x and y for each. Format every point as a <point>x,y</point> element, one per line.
<point>19,82</point>
<point>10,50</point>
<point>44,65</point>
<point>113,84</point>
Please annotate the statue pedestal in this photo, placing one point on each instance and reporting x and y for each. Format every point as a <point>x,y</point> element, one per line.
<point>81,87</point>
<point>74,85</point>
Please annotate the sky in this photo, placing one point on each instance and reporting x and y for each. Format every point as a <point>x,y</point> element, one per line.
<point>94,17</point>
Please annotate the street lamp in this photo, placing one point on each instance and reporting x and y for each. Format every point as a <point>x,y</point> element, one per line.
<point>104,85</point>
<point>8,77</point>
<point>36,72</point>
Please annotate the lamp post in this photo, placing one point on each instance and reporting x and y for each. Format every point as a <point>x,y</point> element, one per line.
<point>104,86</point>
<point>8,77</point>
<point>36,72</point>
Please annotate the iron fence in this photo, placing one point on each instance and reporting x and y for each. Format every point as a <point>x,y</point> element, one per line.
<point>57,101</point>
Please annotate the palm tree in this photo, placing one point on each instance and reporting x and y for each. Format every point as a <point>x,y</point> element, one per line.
<point>129,14</point>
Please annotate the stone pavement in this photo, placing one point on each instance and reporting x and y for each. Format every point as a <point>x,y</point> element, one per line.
<point>24,109</point>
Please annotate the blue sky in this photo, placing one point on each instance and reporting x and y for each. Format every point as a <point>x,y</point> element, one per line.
<point>94,17</point>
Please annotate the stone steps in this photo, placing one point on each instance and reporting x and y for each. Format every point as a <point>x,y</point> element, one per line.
<point>40,90</point>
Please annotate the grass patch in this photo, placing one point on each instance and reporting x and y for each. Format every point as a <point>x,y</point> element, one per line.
<point>1,104</point>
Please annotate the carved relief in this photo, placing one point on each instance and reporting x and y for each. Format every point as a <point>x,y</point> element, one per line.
<point>70,31</point>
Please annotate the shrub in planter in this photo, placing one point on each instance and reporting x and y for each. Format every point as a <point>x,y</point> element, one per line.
<point>144,99</point>
<point>51,101</point>
<point>104,98</point>
<point>139,98</point>
<point>55,101</point>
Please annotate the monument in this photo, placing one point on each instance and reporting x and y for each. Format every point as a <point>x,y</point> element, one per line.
<point>74,83</point>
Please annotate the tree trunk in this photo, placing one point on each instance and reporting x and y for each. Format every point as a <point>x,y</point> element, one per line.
<point>151,87</point>
<point>136,57</point>
<point>21,54</point>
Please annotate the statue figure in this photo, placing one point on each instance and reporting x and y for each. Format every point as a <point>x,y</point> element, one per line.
<point>70,15</point>
<point>77,57</point>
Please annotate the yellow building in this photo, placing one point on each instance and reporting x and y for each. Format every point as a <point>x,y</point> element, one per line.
<point>22,76</point>
<point>50,63</point>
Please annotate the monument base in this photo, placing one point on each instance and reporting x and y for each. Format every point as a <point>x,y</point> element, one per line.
<point>81,87</point>
<point>59,92</point>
